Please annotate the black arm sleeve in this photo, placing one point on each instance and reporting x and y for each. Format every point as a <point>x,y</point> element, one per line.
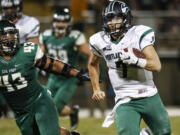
<point>65,71</point>
<point>43,63</point>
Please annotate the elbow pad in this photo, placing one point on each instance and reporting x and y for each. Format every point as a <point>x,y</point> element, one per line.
<point>66,70</point>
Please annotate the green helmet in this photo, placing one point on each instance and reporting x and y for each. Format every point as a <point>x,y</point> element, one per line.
<point>14,5</point>
<point>9,38</point>
<point>61,15</point>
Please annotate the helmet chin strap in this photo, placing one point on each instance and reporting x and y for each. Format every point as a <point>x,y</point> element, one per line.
<point>117,33</point>
<point>117,37</point>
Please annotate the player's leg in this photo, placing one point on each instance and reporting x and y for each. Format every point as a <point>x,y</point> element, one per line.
<point>64,93</point>
<point>156,116</point>
<point>64,131</point>
<point>26,123</point>
<point>62,98</point>
<point>127,120</point>
<point>74,118</point>
<point>145,131</point>
<point>3,106</point>
<point>46,115</point>
<point>52,86</point>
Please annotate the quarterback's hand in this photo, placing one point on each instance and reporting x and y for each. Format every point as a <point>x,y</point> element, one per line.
<point>128,57</point>
<point>83,76</point>
<point>98,95</point>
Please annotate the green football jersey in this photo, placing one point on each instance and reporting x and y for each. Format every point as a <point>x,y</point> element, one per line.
<point>18,83</point>
<point>63,49</point>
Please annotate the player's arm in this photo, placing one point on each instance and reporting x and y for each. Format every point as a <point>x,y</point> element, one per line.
<point>84,48</point>
<point>36,41</point>
<point>57,67</point>
<point>152,59</point>
<point>146,42</point>
<point>94,75</point>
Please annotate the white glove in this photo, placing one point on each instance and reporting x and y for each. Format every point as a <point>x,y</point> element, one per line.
<point>130,59</point>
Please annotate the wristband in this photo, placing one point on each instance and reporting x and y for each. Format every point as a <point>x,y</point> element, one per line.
<point>141,62</point>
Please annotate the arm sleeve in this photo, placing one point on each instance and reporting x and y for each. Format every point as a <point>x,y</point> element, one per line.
<point>80,40</point>
<point>94,47</point>
<point>95,50</point>
<point>33,29</point>
<point>41,39</point>
<point>146,39</point>
<point>39,54</point>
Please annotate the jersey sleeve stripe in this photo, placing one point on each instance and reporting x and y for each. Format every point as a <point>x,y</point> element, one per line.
<point>95,49</point>
<point>78,36</point>
<point>35,28</point>
<point>143,35</point>
<point>31,37</point>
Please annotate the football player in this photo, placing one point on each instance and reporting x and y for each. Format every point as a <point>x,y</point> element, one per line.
<point>136,97</point>
<point>29,101</point>
<point>28,26</point>
<point>65,44</point>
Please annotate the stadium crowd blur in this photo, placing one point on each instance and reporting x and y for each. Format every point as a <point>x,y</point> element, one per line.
<point>162,15</point>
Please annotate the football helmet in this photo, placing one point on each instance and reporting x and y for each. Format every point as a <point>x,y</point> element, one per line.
<point>63,18</point>
<point>116,9</point>
<point>9,38</point>
<point>11,9</point>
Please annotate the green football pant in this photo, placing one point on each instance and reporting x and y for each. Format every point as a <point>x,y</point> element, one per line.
<point>40,118</point>
<point>2,100</point>
<point>62,91</point>
<point>150,109</point>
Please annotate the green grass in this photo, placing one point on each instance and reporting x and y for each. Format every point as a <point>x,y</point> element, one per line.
<point>87,126</point>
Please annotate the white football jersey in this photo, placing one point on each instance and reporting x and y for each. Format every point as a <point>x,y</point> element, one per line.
<point>127,81</point>
<point>28,28</point>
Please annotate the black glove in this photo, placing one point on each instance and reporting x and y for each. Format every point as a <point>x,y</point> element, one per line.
<point>83,76</point>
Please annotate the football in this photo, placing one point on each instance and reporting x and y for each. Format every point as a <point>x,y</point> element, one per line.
<point>137,53</point>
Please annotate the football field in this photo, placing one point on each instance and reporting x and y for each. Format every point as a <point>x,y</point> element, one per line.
<point>87,126</point>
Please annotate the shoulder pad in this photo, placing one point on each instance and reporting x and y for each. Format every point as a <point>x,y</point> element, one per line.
<point>47,32</point>
<point>32,52</point>
<point>75,34</point>
<point>95,42</point>
<point>140,29</point>
<point>32,21</point>
<point>146,36</point>
<point>96,38</point>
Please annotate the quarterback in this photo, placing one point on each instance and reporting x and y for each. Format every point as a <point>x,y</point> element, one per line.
<point>34,109</point>
<point>136,96</point>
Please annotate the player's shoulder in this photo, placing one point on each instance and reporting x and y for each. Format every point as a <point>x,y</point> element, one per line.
<point>47,32</point>
<point>30,20</point>
<point>97,37</point>
<point>29,47</point>
<point>29,52</point>
<point>142,29</point>
<point>75,33</point>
